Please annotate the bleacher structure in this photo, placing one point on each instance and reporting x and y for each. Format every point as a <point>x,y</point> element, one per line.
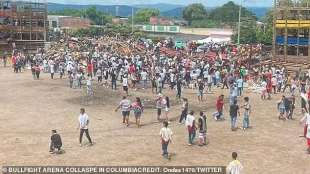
<point>23,24</point>
<point>291,36</point>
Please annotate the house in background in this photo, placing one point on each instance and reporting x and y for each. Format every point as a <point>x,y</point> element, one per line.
<point>120,20</point>
<point>67,22</point>
<point>154,20</point>
<point>22,24</point>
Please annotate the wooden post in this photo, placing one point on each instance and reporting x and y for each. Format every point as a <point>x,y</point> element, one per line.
<point>285,37</point>
<point>274,42</point>
<point>309,44</point>
<point>298,13</point>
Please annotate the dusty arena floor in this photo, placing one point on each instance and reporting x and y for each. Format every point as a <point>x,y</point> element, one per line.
<point>30,109</point>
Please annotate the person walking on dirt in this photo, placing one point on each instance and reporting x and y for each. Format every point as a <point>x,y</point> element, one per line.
<point>83,126</point>
<point>219,107</point>
<point>306,119</point>
<point>184,111</point>
<point>159,105</point>
<point>125,107</point>
<point>166,106</point>
<point>202,126</point>
<point>137,108</point>
<point>166,138</point>
<point>234,112</point>
<point>125,84</point>
<point>190,124</point>
<point>179,89</point>
<point>201,87</point>
<point>37,71</point>
<point>247,110</point>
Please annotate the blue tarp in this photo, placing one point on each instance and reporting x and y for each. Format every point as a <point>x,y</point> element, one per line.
<point>292,40</point>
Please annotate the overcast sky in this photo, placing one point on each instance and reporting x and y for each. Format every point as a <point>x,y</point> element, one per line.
<point>209,3</point>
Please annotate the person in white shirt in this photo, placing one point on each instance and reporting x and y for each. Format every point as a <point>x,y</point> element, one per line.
<point>209,80</point>
<point>83,126</point>
<point>52,68</point>
<point>234,167</point>
<point>191,127</point>
<point>166,137</point>
<point>125,84</point>
<point>99,75</point>
<point>144,78</point>
<point>264,89</point>
<point>125,106</point>
<point>89,86</point>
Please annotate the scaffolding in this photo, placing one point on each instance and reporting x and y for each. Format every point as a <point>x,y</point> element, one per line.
<point>23,23</point>
<point>291,22</point>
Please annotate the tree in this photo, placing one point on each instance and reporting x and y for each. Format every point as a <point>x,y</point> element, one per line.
<point>229,14</point>
<point>143,15</point>
<point>264,35</point>
<point>304,2</point>
<point>97,17</point>
<point>194,12</point>
<point>247,32</point>
<point>205,23</point>
<point>68,12</point>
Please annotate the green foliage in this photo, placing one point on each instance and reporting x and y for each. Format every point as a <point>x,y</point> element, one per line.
<point>205,23</point>
<point>264,36</point>
<point>110,30</point>
<point>143,15</point>
<point>247,32</point>
<point>68,12</point>
<point>194,12</point>
<point>97,17</point>
<point>251,33</point>
<point>304,2</point>
<point>229,14</point>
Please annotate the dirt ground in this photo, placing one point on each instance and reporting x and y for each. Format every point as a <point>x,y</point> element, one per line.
<point>30,109</point>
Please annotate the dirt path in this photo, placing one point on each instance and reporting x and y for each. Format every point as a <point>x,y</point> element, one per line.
<point>31,109</point>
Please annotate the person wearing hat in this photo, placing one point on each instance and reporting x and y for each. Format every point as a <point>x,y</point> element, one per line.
<point>56,142</point>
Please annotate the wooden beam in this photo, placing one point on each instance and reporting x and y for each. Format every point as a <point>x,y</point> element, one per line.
<point>309,45</point>
<point>285,37</point>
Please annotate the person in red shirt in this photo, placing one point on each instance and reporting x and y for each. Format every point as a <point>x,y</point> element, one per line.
<point>219,107</point>
<point>269,88</point>
<point>90,69</point>
<point>309,98</point>
<point>14,61</point>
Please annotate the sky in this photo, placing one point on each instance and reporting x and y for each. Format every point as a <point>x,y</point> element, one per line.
<point>208,3</point>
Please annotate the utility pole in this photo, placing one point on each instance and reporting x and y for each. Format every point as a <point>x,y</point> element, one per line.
<point>132,18</point>
<point>274,34</point>
<point>239,23</point>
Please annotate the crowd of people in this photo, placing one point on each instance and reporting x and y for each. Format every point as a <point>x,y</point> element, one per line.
<point>137,65</point>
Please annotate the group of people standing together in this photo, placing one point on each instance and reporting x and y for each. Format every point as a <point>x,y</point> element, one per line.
<point>159,72</point>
